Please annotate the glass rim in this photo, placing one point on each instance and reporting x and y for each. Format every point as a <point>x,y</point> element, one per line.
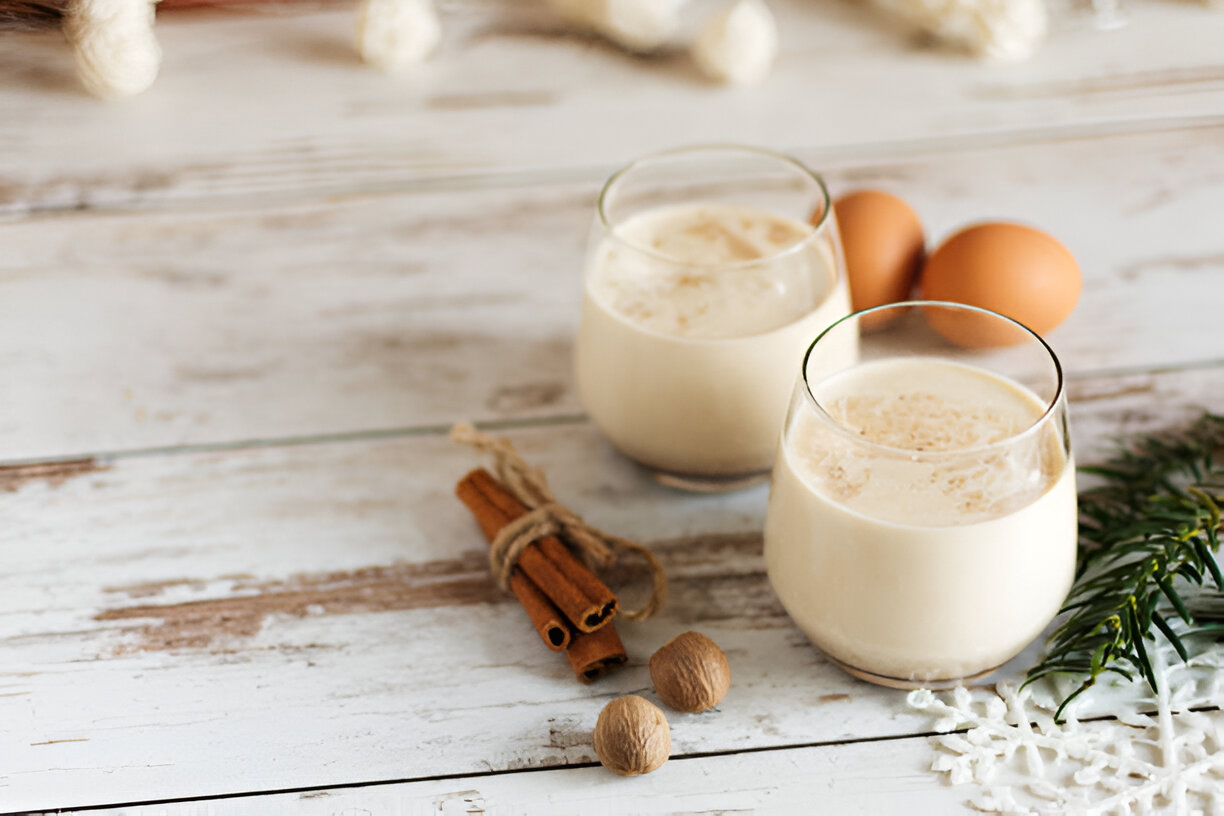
<point>819,227</point>
<point>1051,405</point>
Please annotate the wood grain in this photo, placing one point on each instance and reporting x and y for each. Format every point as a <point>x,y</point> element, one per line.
<point>173,621</point>
<point>14,477</point>
<point>397,312</point>
<point>273,100</point>
<point>890,778</point>
<point>237,312</point>
<point>205,624</point>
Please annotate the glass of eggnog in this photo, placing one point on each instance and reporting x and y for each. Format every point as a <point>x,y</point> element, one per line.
<point>709,269</point>
<point>921,527</point>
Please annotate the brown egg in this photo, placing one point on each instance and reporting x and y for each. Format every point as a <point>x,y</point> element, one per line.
<point>1011,269</point>
<point>884,245</point>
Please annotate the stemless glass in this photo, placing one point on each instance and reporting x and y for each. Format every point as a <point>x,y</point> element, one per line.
<point>921,527</point>
<point>709,268</point>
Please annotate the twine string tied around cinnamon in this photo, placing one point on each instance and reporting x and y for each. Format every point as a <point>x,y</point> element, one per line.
<point>546,516</point>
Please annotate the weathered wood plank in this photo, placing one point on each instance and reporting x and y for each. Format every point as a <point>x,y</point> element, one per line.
<point>882,778</point>
<point>511,91</point>
<point>304,616</point>
<point>340,315</point>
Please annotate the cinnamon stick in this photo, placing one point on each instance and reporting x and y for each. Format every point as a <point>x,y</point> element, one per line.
<point>585,600</point>
<point>592,654</point>
<point>543,613</point>
<point>545,617</point>
<point>488,515</point>
<point>580,576</point>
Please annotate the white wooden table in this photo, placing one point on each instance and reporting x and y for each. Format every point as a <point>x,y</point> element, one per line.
<point>238,313</point>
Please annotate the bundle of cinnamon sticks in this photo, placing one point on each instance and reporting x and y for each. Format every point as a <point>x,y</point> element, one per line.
<point>569,606</point>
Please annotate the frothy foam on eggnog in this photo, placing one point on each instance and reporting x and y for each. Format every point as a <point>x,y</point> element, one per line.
<point>695,270</point>
<point>926,406</point>
<point>923,421</point>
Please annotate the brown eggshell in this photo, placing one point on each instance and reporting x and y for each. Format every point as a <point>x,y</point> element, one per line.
<point>1011,269</point>
<point>884,247</point>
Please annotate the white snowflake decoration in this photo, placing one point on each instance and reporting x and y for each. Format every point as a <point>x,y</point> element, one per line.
<point>1147,754</point>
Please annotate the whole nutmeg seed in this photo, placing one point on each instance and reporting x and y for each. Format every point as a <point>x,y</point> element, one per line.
<point>631,736</point>
<point>690,673</point>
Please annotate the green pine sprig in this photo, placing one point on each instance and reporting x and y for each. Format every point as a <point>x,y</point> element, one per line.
<point>1149,533</point>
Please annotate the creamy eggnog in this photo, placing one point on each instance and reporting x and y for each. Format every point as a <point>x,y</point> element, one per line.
<point>927,532</point>
<point>694,320</point>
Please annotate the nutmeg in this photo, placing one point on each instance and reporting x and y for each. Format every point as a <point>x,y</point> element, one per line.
<point>690,673</point>
<point>631,736</point>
